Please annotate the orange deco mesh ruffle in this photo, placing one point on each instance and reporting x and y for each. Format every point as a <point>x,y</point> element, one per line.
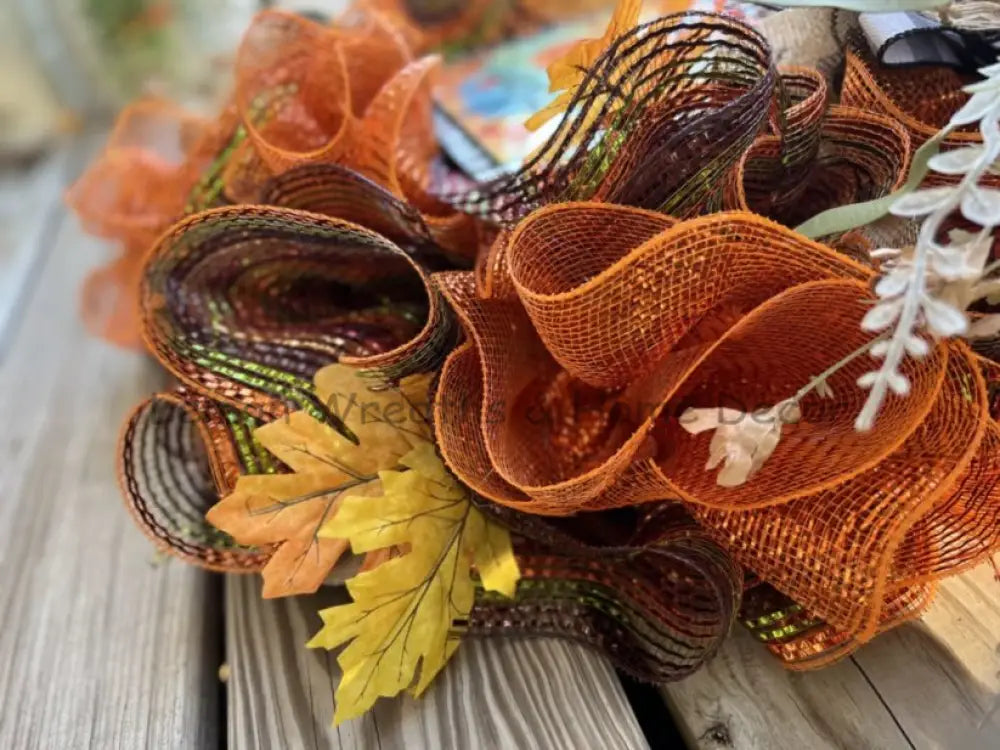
<point>920,99</point>
<point>348,94</point>
<point>306,94</point>
<point>136,187</point>
<point>612,321</point>
<point>815,157</point>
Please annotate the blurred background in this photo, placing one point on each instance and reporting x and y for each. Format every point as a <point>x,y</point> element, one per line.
<point>65,64</point>
<point>67,67</point>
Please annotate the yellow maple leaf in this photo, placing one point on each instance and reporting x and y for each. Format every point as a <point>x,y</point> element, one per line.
<point>569,71</point>
<point>400,621</point>
<point>287,510</point>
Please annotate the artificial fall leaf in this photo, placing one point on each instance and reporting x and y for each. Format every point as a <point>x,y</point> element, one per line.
<point>399,623</point>
<point>287,510</point>
<point>569,71</point>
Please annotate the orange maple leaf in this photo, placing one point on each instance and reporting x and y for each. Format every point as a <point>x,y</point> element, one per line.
<point>287,510</point>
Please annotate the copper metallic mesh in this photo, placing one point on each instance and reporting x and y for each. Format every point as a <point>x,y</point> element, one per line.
<point>306,95</point>
<point>613,321</point>
<point>923,98</point>
<point>853,156</point>
<point>349,94</point>
<point>920,99</point>
<point>801,641</point>
<point>589,328</point>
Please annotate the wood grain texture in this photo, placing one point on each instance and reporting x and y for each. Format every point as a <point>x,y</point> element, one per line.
<point>30,206</point>
<point>941,676</point>
<point>745,699</point>
<point>493,694</point>
<point>98,647</point>
<point>932,684</point>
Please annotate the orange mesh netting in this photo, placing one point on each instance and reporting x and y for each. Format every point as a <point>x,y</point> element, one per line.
<point>612,321</point>
<point>135,188</point>
<point>923,99</point>
<point>920,99</point>
<point>244,303</point>
<point>305,94</point>
<point>347,94</point>
<point>590,328</point>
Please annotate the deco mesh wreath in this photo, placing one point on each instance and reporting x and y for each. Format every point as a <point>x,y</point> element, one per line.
<point>613,396</point>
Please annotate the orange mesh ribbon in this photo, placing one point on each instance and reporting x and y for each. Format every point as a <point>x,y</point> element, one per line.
<point>305,94</point>
<point>133,191</point>
<point>613,321</point>
<point>244,304</point>
<point>920,99</point>
<point>815,157</point>
<point>590,327</point>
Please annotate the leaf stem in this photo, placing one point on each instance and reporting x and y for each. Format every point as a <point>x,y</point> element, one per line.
<point>834,368</point>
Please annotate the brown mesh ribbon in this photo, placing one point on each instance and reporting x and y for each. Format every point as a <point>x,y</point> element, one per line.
<point>243,306</point>
<point>171,446</point>
<point>655,594</point>
<point>920,99</point>
<point>657,121</point>
<point>815,158</point>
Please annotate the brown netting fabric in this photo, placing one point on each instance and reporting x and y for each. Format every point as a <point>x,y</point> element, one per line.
<point>243,305</point>
<point>248,303</point>
<point>614,321</point>
<point>857,156</point>
<point>652,591</point>
<point>178,453</point>
<point>920,99</point>
<point>656,122</point>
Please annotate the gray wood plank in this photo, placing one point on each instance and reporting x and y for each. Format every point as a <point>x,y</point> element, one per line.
<point>98,646</point>
<point>30,202</point>
<point>505,694</point>
<point>744,699</point>
<point>931,684</point>
<point>940,676</point>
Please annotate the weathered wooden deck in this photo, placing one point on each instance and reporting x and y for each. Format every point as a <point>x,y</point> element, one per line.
<point>104,646</point>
